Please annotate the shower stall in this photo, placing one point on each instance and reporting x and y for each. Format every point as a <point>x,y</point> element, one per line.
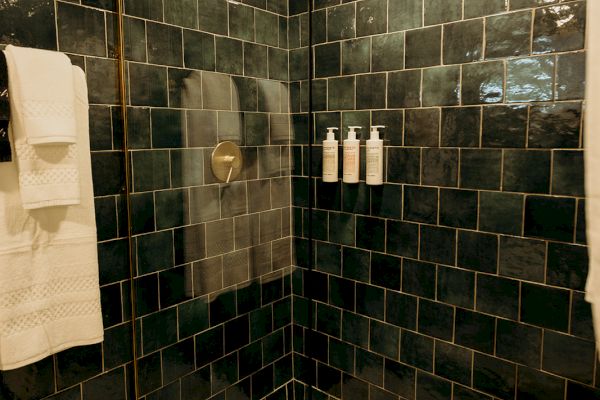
<point>239,274</point>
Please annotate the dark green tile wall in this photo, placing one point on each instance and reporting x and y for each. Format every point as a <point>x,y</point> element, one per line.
<point>462,277</point>
<point>213,275</point>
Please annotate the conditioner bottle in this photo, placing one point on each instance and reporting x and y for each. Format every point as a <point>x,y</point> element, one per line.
<point>330,157</point>
<point>351,156</point>
<point>375,157</point>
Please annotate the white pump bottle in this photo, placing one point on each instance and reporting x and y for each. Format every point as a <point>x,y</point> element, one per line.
<point>352,156</point>
<point>330,156</point>
<point>375,157</point>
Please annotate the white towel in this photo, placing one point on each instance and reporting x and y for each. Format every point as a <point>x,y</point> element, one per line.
<point>592,161</point>
<point>41,85</point>
<point>48,174</point>
<point>49,290</point>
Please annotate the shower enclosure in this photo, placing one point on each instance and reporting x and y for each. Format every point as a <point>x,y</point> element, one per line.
<point>460,278</point>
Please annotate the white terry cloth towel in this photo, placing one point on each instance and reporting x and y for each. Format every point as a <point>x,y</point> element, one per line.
<point>41,86</point>
<point>48,174</point>
<point>49,280</point>
<point>592,161</point>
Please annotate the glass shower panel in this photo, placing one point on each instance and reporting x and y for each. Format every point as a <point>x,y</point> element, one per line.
<point>213,258</point>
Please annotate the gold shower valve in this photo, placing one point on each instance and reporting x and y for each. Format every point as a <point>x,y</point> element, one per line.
<point>226,161</point>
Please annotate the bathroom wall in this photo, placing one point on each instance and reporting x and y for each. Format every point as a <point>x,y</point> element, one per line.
<point>461,277</point>
<point>212,261</point>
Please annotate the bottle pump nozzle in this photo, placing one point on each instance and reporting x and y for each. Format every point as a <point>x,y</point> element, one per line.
<point>352,132</point>
<point>375,131</point>
<point>331,133</point>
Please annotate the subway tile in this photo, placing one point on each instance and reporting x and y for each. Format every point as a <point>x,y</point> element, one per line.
<point>399,378</point>
<point>385,271</point>
<point>478,8</point>
<point>341,93</point>
<point>356,56</point>
<point>327,60</point>
<point>432,386</point>
<point>480,169</point>
<point>393,120</point>
<point>40,372</point>
<point>570,76</point>
<point>536,384</point>
<point>563,132</point>
<point>384,339</point>
<point>463,393</point>
<point>494,376</point>
<point>436,319</point>
<point>579,391</point>
<point>519,343</point>
<point>559,28</point>
<point>545,306</point>
<point>453,362</point>
<point>420,204</point>
<point>568,356</point>
<point>438,11</point>
<point>209,345</point>
<point>148,85</point>
<point>522,258</point>
<point>369,366</point>
<point>530,79</point>
<point>402,238</point>
<point>441,86</point>
<point>341,22</point>
<point>423,47</point>
<point>422,127</point>
<point>477,251</point>
<point>438,245</point>
<point>353,388</point>
<point>419,278</point>
<point>224,372</point>
<point>568,173</point>
<point>567,265</point>
<point>526,171</point>
<point>241,22</point>
<point>440,167</point>
<point>504,126</point>
<point>355,330</point>
<point>404,89</point>
<point>148,9</point>
<point>508,35</point>
<point>416,350</point>
<point>463,42</point>
<point>581,317</point>
<point>266,28</point>
<point>371,17</point>
<point>474,330</point>
<point>388,52</point>
<point>81,30</point>
<point>164,44</point>
<point>483,83</point>
<point>498,296</point>
<point>370,91</point>
<point>159,330</point>
<point>178,360</point>
<point>501,212</point>
<point>384,201</point>
<point>370,233</point>
<point>403,165</point>
<point>517,4</point>
<point>456,287</point>
<point>401,310</point>
<point>404,14</point>
<point>461,126</point>
<point>458,208</point>
<point>537,221</point>
<point>229,56</point>
<point>212,16</point>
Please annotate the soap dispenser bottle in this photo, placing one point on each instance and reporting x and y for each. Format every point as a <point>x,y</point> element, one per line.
<point>351,156</point>
<point>330,156</point>
<point>375,157</point>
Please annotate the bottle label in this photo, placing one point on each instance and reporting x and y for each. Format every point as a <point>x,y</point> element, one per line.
<point>349,162</point>
<point>329,160</point>
<point>373,161</point>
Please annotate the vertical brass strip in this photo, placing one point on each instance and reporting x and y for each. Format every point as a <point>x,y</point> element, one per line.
<point>128,174</point>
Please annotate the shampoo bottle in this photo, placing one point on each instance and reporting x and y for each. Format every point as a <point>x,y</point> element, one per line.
<point>330,157</point>
<point>375,157</point>
<point>351,156</point>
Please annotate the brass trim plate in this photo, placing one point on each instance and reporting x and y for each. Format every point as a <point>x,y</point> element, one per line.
<point>227,161</point>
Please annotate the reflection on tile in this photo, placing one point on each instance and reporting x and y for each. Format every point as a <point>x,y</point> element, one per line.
<point>530,79</point>
<point>483,83</point>
<point>463,42</point>
<point>508,35</point>
<point>559,28</point>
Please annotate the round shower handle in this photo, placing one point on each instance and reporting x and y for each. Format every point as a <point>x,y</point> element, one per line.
<point>227,161</point>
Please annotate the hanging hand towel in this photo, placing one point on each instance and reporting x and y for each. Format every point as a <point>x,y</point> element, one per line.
<point>49,290</point>
<point>48,174</point>
<point>41,87</point>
